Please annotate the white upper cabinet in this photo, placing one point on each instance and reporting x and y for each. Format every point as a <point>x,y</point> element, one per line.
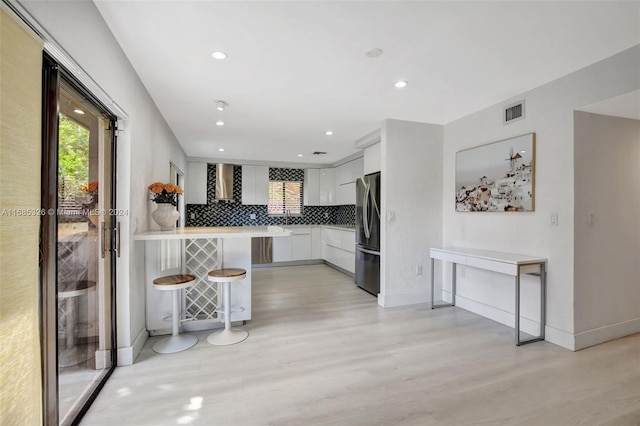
<point>311,188</point>
<point>262,185</point>
<point>346,176</point>
<point>372,159</point>
<point>346,194</point>
<point>357,169</point>
<point>349,172</point>
<point>255,185</point>
<point>327,187</point>
<point>343,173</point>
<point>196,190</point>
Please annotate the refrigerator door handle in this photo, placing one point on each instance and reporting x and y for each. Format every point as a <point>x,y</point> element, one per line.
<point>364,250</point>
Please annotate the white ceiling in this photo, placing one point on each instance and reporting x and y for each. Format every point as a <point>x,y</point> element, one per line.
<point>298,68</point>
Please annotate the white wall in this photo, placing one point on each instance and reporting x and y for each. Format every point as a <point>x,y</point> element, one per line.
<point>549,113</point>
<point>145,147</point>
<point>607,253</point>
<point>411,180</point>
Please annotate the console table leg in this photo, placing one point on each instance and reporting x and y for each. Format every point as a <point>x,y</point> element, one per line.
<point>432,283</point>
<point>454,278</point>
<point>518,308</point>
<point>543,298</point>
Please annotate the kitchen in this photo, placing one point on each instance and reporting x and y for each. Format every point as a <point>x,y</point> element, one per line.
<point>319,210</point>
<point>415,153</point>
<point>328,199</point>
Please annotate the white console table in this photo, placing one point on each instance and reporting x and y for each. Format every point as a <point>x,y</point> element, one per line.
<point>505,263</point>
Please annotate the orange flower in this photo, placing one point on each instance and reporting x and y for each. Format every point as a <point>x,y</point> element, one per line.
<point>91,188</point>
<point>164,192</point>
<point>156,187</point>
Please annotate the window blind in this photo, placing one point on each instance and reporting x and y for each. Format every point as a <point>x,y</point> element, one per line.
<point>285,197</point>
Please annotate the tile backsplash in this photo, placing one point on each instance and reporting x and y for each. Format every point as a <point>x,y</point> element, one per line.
<point>236,214</point>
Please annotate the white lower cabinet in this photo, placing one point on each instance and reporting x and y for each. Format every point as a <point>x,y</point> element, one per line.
<point>282,249</point>
<point>338,248</point>
<point>297,246</point>
<point>316,242</point>
<point>301,244</point>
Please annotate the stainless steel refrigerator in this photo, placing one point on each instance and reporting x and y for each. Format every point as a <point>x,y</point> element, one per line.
<point>368,233</point>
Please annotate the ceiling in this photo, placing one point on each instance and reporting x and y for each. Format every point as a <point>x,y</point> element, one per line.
<point>296,69</point>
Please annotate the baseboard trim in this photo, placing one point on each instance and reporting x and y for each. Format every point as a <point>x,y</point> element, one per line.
<point>288,263</point>
<point>392,300</point>
<point>337,268</point>
<point>559,337</point>
<point>606,333</point>
<point>527,325</point>
<point>127,355</point>
<point>503,317</point>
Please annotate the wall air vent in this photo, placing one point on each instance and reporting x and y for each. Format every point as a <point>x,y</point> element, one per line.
<point>319,153</point>
<point>514,112</point>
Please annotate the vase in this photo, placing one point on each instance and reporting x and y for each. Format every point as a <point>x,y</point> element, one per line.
<point>166,216</point>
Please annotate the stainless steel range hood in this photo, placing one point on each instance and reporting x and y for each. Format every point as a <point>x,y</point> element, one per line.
<point>224,182</point>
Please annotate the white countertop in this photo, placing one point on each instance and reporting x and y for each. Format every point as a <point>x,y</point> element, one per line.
<point>214,232</point>
<point>340,227</point>
<point>517,259</point>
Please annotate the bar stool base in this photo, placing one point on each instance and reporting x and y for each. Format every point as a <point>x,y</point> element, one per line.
<point>227,337</point>
<point>173,344</point>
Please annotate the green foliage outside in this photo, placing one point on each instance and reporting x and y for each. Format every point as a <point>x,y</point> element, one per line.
<point>73,158</point>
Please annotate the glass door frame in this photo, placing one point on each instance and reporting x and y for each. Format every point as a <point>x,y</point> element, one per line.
<point>52,74</point>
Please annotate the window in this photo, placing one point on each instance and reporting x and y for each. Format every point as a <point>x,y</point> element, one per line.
<point>285,197</point>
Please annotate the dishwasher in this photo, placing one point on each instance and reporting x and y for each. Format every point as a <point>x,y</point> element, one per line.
<point>261,250</point>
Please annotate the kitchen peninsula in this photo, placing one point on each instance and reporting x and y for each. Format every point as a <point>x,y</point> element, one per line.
<point>196,251</point>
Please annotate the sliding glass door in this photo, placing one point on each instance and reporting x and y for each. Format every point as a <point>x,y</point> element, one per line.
<point>79,248</point>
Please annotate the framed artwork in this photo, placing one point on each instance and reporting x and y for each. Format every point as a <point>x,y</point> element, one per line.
<point>497,177</point>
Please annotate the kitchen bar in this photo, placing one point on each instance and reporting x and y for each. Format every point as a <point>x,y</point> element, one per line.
<point>196,251</point>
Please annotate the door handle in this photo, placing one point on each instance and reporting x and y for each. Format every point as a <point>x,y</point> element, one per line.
<point>104,239</point>
<point>367,251</point>
<point>117,232</point>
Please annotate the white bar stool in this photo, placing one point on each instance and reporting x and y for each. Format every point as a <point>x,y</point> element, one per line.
<point>176,342</point>
<point>228,336</point>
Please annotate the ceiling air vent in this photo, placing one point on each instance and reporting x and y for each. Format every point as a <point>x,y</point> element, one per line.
<point>319,153</point>
<point>514,112</point>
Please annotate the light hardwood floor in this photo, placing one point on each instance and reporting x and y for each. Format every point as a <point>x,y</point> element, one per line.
<point>322,352</point>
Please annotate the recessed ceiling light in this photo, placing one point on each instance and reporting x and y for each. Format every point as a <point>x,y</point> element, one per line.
<point>219,123</point>
<point>78,111</point>
<point>401,84</point>
<point>329,132</point>
<point>219,55</point>
<point>221,105</point>
<point>523,152</point>
<point>300,155</point>
<point>221,149</point>
<point>373,53</point>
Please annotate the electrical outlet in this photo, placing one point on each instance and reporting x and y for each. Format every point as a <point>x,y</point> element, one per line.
<point>554,219</point>
<point>462,271</point>
<point>252,216</point>
<point>591,220</point>
<point>193,215</point>
<point>326,215</point>
<point>419,270</point>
